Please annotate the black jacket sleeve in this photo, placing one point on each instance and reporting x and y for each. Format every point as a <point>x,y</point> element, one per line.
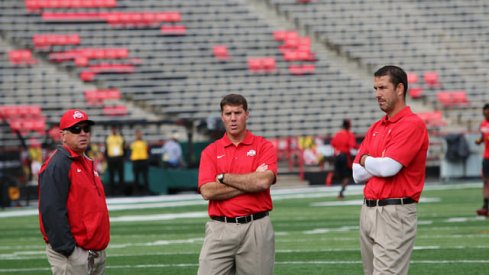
<point>54,186</point>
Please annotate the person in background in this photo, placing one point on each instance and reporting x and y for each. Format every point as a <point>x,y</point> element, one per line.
<point>95,152</point>
<point>140,164</point>
<point>114,154</point>
<point>391,162</point>
<point>343,142</point>
<point>73,214</point>
<point>235,176</point>
<point>171,153</point>
<point>484,138</point>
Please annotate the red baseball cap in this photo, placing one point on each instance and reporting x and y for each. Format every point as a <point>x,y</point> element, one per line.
<point>72,117</point>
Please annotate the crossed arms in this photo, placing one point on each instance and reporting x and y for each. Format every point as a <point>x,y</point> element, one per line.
<point>379,167</point>
<point>237,184</point>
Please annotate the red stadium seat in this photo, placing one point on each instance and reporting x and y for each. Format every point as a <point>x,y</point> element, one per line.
<point>82,57</point>
<point>268,64</point>
<point>173,30</point>
<point>412,78</point>
<point>16,125</point>
<point>21,57</point>
<point>262,64</point>
<point>302,69</point>
<point>97,97</point>
<point>279,35</point>
<point>92,71</point>
<point>141,18</point>
<point>431,79</point>
<point>452,98</point>
<point>72,17</point>
<point>432,119</point>
<point>117,110</point>
<point>46,40</point>
<point>416,92</point>
<point>8,111</point>
<point>20,111</point>
<point>36,5</point>
<point>221,52</point>
<point>254,64</point>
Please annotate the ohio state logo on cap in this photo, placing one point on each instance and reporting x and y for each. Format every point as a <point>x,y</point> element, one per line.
<point>72,117</point>
<point>77,115</point>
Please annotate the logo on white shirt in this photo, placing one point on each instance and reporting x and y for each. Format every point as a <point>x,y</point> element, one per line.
<point>251,153</point>
<point>220,156</point>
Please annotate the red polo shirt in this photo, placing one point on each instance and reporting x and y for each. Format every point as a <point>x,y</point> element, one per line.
<point>403,138</point>
<point>223,156</point>
<point>343,141</point>
<point>484,128</point>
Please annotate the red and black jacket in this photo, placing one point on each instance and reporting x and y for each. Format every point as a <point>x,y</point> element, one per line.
<point>72,206</point>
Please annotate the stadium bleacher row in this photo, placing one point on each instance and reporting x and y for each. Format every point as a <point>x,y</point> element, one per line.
<point>171,60</point>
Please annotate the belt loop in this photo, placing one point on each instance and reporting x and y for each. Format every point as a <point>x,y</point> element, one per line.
<point>402,201</point>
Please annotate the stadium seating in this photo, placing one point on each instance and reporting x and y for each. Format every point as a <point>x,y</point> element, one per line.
<point>47,40</point>
<point>453,98</point>
<point>176,59</point>
<point>37,5</point>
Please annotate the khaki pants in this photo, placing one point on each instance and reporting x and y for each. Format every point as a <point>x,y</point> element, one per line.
<point>76,263</point>
<point>387,236</point>
<point>238,248</point>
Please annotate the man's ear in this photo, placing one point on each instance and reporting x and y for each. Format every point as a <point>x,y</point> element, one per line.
<point>400,89</point>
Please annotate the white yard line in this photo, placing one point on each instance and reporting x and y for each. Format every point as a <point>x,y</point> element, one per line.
<point>163,201</point>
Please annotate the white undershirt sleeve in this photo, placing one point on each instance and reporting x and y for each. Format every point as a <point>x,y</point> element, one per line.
<point>382,167</point>
<point>360,175</point>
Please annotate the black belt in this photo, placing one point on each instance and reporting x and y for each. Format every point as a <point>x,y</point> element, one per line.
<point>384,202</point>
<point>242,219</point>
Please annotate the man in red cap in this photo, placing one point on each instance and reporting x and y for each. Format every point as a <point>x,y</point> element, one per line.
<point>73,214</point>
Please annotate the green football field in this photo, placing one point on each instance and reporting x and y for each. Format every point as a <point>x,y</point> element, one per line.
<point>315,234</point>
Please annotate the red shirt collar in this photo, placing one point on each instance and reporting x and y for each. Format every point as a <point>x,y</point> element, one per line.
<point>71,152</point>
<point>403,113</point>
<point>248,139</point>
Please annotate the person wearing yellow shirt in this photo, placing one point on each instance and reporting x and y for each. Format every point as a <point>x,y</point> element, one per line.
<point>114,153</point>
<point>140,164</point>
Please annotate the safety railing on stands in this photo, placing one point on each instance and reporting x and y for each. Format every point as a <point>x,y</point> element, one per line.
<point>288,150</point>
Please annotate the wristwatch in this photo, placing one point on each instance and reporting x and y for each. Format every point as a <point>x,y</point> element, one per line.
<point>220,178</point>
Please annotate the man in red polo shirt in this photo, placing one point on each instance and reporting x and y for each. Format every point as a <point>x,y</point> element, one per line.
<point>484,138</point>
<point>391,161</point>
<point>235,176</point>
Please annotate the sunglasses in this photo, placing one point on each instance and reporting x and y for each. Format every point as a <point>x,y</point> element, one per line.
<point>77,129</point>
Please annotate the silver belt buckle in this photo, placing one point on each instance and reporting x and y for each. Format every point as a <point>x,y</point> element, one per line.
<point>241,217</point>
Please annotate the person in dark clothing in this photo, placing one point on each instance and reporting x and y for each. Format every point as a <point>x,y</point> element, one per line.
<point>343,142</point>
<point>73,215</point>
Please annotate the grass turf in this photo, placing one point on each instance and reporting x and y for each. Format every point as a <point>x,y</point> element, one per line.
<point>309,239</point>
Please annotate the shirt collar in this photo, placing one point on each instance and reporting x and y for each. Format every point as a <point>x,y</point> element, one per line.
<point>70,152</point>
<point>403,113</point>
<point>248,139</point>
